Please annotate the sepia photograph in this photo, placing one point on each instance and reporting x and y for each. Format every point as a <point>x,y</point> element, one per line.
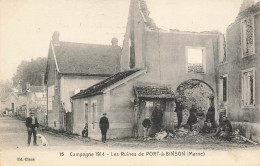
<point>129,82</point>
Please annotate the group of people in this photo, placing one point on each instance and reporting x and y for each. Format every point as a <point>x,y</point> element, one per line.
<point>103,125</point>
<point>192,117</point>
<point>224,130</point>
<point>32,127</point>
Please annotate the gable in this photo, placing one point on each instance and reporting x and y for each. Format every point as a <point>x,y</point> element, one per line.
<point>49,78</point>
<point>138,21</point>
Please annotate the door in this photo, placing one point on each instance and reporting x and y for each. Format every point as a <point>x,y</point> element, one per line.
<point>68,122</point>
<point>86,113</point>
<point>12,107</point>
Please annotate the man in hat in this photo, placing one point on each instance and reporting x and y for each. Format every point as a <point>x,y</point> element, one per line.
<point>104,125</point>
<point>179,109</point>
<point>225,128</point>
<point>32,126</point>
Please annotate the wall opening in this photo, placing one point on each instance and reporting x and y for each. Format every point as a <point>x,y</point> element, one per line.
<point>198,93</point>
<point>195,60</point>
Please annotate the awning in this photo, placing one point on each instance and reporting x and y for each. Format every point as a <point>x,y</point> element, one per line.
<point>154,92</point>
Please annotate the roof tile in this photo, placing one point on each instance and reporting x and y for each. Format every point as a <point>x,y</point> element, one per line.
<point>154,92</point>
<point>101,86</point>
<point>87,58</point>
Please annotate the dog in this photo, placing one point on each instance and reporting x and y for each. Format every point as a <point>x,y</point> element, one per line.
<point>43,140</point>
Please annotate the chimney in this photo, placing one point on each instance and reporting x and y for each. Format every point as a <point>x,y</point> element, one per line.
<point>55,39</point>
<point>114,41</point>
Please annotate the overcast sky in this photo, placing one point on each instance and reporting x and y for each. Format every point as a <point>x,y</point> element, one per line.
<point>26,26</point>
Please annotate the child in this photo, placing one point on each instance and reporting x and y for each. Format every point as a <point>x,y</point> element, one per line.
<point>207,126</point>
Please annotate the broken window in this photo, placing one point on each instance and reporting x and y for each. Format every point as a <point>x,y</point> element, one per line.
<point>248,87</point>
<point>247,36</point>
<point>195,60</point>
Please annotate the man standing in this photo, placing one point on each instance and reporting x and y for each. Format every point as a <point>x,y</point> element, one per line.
<point>146,124</point>
<point>211,113</point>
<point>192,117</point>
<point>178,109</point>
<point>32,126</point>
<point>104,125</point>
<point>157,117</point>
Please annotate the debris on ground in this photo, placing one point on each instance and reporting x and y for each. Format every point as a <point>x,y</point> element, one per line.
<point>236,136</point>
<point>161,135</point>
<point>170,135</point>
<point>182,135</point>
<point>183,130</point>
<point>194,132</point>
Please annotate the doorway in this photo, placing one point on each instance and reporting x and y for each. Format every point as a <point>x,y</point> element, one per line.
<point>86,113</point>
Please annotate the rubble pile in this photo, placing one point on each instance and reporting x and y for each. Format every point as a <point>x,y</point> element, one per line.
<point>194,137</point>
<point>240,139</point>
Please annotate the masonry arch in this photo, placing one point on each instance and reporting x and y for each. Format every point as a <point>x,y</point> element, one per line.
<point>199,93</point>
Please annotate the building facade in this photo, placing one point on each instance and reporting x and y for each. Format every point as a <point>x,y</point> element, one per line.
<point>239,77</point>
<point>71,67</point>
<point>164,62</point>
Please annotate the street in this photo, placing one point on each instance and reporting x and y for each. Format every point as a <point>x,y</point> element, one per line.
<point>66,149</point>
<point>14,136</point>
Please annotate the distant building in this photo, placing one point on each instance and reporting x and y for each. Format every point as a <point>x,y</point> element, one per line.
<point>239,72</point>
<point>71,67</point>
<point>33,99</point>
<point>9,101</point>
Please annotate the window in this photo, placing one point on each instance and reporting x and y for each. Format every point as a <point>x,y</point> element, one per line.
<point>247,36</point>
<point>94,115</point>
<point>196,60</point>
<point>248,87</point>
<point>13,106</point>
<point>50,97</point>
<point>223,88</point>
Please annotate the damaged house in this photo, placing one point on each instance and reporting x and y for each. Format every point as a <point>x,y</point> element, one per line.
<point>239,72</point>
<point>71,67</point>
<point>154,64</point>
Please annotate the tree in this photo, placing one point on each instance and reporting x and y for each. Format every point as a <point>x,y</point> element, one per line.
<point>30,71</point>
<point>5,86</point>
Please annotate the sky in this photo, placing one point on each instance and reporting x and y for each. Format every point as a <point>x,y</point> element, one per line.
<point>26,26</point>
